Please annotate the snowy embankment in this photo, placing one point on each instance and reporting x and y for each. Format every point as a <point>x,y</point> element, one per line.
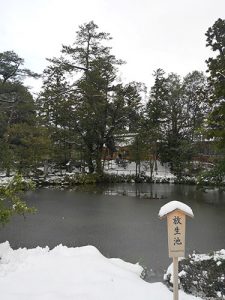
<point>125,173</point>
<point>4,180</point>
<point>73,274</point>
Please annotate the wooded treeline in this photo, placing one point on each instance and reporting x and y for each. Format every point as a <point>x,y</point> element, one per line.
<point>83,105</point>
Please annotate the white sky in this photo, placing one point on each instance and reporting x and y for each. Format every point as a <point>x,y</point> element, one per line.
<point>147,34</point>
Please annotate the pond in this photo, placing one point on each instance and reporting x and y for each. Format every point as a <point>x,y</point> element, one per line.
<point>121,220</point>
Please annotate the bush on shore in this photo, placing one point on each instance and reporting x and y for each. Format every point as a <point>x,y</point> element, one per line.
<point>201,275</point>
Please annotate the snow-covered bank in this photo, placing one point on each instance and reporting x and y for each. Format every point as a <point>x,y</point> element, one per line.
<point>73,274</point>
<point>129,168</point>
<point>114,172</point>
<point>4,180</point>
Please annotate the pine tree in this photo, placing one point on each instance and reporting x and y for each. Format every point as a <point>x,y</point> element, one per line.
<point>174,114</point>
<point>151,133</point>
<point>216,68</point>
<point>215,125</point>
<point>196,94</point>
<point>94,105</point>
<point>17,112</point>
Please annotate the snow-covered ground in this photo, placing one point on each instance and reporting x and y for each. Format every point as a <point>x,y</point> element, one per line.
<point>73,274</point>
<point>160,171</point>
<point>4,179</point>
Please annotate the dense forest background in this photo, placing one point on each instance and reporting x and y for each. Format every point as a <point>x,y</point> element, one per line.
<point>83,106</point>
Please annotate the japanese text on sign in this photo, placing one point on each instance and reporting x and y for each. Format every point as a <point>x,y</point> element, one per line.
<point>176,233</point>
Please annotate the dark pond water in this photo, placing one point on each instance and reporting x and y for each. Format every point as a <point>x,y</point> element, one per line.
<point>121,221</point>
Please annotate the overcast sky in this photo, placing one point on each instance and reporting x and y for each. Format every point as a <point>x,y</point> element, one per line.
<point>147,34</point>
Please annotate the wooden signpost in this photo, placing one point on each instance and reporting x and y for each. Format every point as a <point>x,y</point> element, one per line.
<point>176,213</point>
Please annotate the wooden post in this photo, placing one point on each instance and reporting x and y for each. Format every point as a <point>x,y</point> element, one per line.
<point>176,213</point>
<point>175,278</point>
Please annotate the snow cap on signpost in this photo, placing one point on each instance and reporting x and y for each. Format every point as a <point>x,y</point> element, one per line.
<point>175,205</point>
<point>176,213</point>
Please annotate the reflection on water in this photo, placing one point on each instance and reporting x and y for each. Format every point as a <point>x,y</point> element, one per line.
<point>165,191</point>
<point>133,193</point>
<point>156,191</point>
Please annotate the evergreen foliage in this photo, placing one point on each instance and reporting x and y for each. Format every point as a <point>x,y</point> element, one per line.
<point>92,104</point>
<point>216,68</point>
<point>215,123</point>
<point>10,199</point>
<point>83,106</point>
<point>174,115</point>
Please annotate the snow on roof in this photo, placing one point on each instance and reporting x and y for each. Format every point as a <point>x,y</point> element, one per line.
<point>173,205</point>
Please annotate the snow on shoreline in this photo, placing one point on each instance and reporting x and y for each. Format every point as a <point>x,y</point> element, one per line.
<point>73,274</point>
<point>161,174</point>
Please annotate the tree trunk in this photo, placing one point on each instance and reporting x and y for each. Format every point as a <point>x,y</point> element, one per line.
<point>99,167</point>
<point>151,165</point>
<point>90,164</point>
<point>8,171</point>
<point>45,168</point>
